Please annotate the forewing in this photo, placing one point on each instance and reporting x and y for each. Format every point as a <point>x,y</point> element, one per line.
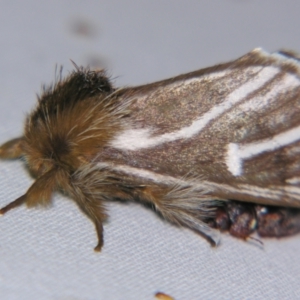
<point>235,126</point>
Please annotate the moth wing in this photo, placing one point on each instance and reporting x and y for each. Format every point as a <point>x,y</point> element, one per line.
<point>236,126</point>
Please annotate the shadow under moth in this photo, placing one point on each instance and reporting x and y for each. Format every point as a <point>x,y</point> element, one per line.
<point>215,148</point>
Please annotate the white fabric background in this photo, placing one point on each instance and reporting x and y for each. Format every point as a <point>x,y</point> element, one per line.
<point>48,253</point>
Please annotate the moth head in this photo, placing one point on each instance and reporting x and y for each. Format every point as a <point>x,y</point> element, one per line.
<point>73,118</point>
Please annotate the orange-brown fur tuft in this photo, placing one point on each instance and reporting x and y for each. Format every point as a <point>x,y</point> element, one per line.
<point>73,119</point>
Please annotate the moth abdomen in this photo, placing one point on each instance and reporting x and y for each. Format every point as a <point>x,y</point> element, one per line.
<point>277,221</point>
<point>242,219</point>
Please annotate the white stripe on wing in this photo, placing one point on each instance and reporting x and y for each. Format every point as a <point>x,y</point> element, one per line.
<point>136,139</point>
<point>236,153</point>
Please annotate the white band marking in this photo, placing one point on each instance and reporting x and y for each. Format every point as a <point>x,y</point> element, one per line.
<point>237,153</point>
<point>294,180</point>
<point>286,84</point>
<point>135,139</point>
<point>273,192</point>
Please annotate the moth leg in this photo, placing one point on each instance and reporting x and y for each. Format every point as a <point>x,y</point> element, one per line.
<point>99,230</point>
<point>38,194</point>
<point>94,209</point>
<point>19,201</point>
<point>85,188</point>
<point>12,149</point>
<point>185,206</point>
<point>97,215</point>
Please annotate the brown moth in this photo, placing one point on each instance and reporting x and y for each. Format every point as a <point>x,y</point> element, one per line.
<point>163,296</point>
<point>215,148</point>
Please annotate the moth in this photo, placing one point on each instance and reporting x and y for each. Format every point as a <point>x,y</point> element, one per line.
<point>163,296</point>
<point>217,148</point>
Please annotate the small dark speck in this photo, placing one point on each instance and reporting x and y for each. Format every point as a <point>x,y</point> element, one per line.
<point>84,28</point>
